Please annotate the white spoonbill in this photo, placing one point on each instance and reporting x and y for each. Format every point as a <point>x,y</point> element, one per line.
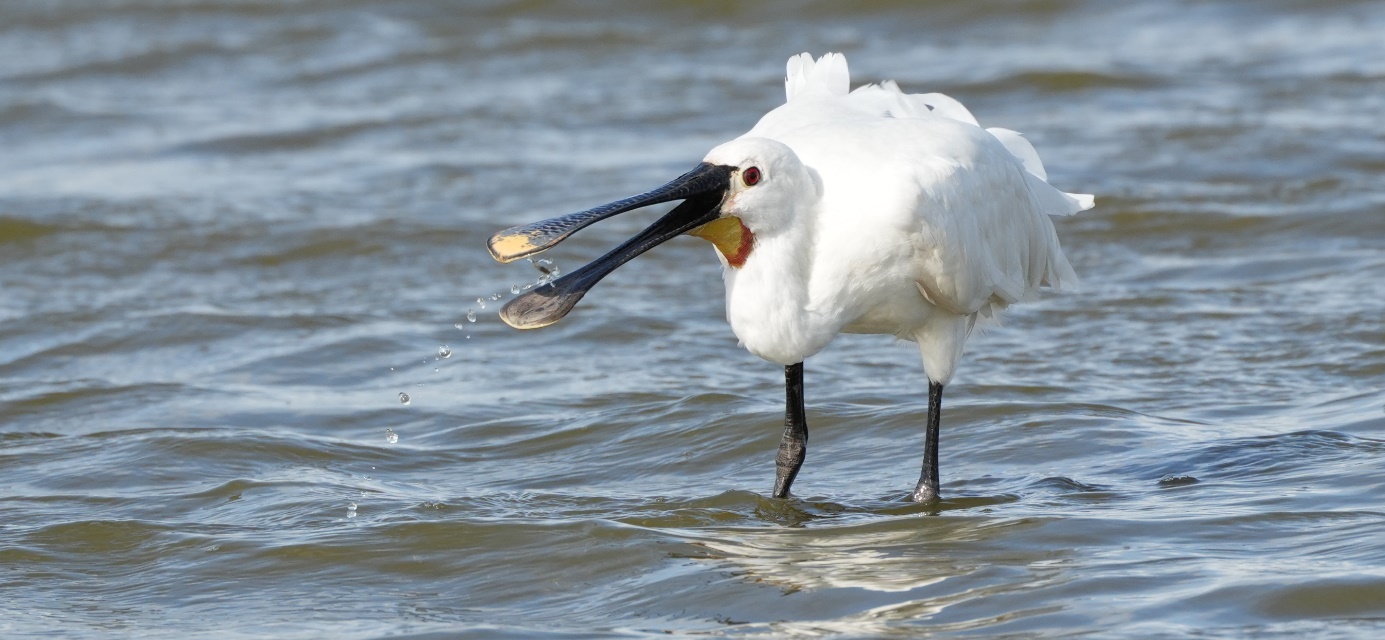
<point>866,211</point>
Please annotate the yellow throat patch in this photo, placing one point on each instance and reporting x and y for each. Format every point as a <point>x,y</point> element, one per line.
<point>731,238</point>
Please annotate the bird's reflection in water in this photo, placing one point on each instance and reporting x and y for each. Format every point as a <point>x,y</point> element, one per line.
<point>888,545</point>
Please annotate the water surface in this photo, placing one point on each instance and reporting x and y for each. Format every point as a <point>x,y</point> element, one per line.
<point>233,233</point>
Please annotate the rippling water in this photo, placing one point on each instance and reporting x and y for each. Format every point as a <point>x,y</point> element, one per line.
<point>233,233</point>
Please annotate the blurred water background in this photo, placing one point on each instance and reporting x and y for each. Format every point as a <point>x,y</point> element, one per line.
<point>235,237</point>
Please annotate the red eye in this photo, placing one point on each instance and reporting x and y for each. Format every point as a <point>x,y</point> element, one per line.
<point>750,176</point>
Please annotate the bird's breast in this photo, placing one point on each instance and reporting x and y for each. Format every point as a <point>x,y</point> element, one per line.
<point>768,308</point>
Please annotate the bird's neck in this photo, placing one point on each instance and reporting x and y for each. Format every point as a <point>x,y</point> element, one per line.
<point>767,298</point>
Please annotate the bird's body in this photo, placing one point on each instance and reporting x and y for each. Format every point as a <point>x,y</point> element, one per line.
<point>918,225</point>
<point>871,211</point>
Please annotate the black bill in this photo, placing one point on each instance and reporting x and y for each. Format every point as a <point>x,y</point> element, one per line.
<point>528,239</point>
<point>701,190</point>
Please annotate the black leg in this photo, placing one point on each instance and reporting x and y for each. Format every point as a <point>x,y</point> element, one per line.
<point>793,448</point>
<point>927,489</point>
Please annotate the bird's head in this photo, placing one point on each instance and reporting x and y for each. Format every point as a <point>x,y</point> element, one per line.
<point>743,188</point>
<point>767,186</point>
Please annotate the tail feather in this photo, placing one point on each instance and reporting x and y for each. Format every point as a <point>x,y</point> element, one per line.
<point>1020,148</point>
<point>1054,202</point>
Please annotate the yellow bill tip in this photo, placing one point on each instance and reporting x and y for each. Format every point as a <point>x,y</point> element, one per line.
<point>509,245</point>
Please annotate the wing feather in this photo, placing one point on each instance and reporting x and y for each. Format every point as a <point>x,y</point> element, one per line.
<point>980,228</point>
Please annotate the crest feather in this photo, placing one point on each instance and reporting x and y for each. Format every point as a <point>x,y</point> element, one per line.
<point>826,76</point>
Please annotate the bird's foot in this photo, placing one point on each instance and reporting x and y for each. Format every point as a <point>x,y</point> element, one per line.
<point>781,487</point>
<point>926,492</point>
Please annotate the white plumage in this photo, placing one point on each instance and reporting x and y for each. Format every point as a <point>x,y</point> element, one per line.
<point>866,211</point>
<point>884,212</point>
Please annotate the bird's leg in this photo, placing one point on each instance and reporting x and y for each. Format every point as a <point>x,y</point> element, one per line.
<point>927,489</point>
<point>793,448</point>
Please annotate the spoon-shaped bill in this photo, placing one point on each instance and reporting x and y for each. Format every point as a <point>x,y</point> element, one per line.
<point>548,304</point>
<point>525,240</point>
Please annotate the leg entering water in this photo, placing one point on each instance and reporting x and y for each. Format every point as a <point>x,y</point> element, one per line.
<point>793,447</point>
<point>927,488</point>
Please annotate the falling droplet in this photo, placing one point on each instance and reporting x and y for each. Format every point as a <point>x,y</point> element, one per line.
<point>403,398</point>
<point>471,315</point>
<point>458,326</point>
<point>444,352</point>
<point>547,270</point>
<point>495,296</point>
<point>514,289</point>
<point>390,436</point>
<point>351,510</point>
<point>481,302</point>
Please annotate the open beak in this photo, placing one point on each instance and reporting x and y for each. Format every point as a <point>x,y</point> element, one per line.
<point>701,191</point>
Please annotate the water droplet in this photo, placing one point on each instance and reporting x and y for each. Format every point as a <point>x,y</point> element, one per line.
<point>390,436</point>
<point>444,352</point>
<point>514,289</point>
<point>471,315</point>
<point>392,368</point>
<point>547,269</point>
<point>481,302</point>
<point>403,398</point>
<point>458,326</point>
<point>468,337</point>
<point>435,369</point>
<point>495,296</point>
<point>351,511</point>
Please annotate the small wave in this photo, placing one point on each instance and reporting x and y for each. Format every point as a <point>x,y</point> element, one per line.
<point>15,230</point>
<point>1272,459</point>
<point>1061,82</point>
<point>284,141</point>
<point>142,63</point>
